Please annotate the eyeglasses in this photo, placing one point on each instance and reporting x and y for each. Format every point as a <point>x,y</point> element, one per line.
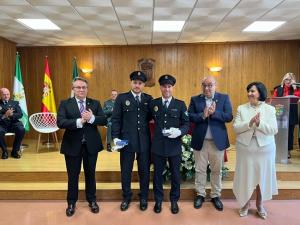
<point>81,87</point>
<point>207,85</point>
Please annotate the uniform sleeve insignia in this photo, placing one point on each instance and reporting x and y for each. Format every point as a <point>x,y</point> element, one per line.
<point>155,108</point>
<point>127,102</point>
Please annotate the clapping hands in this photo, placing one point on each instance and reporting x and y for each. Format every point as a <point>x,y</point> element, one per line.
<point>86,115</point>
<point>255,120</point>
<point>210,110</point>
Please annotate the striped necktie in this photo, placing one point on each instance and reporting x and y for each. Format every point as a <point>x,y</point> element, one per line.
<point>81,106</point>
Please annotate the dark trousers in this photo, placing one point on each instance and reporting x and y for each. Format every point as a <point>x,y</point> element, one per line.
<point>143,162</point>
<point>19,131</point>
<point>291,137</point>
<point>158,180</point>
<point>73,164</point>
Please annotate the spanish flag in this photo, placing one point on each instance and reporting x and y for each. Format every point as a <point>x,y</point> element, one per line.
<point>48,101</point>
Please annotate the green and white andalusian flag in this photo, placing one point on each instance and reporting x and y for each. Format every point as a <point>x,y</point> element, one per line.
<point>74,73</point>
<point>19,93</point>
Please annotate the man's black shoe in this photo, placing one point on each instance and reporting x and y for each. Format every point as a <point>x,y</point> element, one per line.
<point>174,207</point>
<point>198,201</point>
<point>108,147</point>
<point>217,203</point>
<point>143,204</point>
<point>94,207</point>
<point>70,210</point>
<point>15,155</point>
<point>124,205</point>
<point>4,155</point>
<point>157,207</point>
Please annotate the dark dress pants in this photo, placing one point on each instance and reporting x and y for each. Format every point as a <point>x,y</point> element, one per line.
<point>158,180</point>
<point>143,162</point>
<point>19,131</point>
<point>73,164</point>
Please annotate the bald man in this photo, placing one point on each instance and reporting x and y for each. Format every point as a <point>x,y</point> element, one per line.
<point>10,113</point>
<point>209,111</point>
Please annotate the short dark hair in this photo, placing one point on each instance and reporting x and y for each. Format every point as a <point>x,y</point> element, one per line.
<point>261,88</point>
<point>81,79</point>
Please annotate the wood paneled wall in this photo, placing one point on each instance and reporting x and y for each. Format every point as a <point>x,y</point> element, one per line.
<point>241,62</point>
<point>7,62</point>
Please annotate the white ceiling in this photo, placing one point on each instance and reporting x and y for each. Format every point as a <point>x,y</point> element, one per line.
<point>129,22</point>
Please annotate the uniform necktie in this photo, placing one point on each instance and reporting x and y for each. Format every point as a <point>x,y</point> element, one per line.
<point>81,106</point>
<point>165,105</point>
<point>137,99</point>
<point>5,102</point>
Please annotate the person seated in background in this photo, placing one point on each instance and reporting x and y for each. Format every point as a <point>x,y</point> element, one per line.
<point>10,113</point>
<point>288,87</point>
<point>108,108</point>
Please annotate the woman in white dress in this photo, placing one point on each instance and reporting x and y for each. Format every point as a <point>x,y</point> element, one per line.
<point>255,126</point>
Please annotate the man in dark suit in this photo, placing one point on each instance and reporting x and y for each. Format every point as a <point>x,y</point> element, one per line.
<point>130,121</point>
<point>10,113</point>
<point>209,112</point>
<point>80,116</point>
<point>171,122</point>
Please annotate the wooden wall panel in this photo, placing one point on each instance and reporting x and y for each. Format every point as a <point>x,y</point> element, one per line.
<point>7,62</point>
<point>241,62</point>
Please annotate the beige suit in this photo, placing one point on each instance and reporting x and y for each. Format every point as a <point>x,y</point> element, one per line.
<point>255,152</point>
<point>264,132</point>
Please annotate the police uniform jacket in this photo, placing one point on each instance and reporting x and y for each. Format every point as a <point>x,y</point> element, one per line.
<point>130,121</point>
<point>175,116</point>
<point>108,108</point>
<point>17,114</point>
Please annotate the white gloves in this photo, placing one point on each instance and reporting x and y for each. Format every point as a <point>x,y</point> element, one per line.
<point>174,132</point>
<point>117,146</point>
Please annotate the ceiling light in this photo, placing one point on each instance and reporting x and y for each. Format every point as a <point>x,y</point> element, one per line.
<point>263,26</point>
<point>167,26</point>
<point>39,24</point>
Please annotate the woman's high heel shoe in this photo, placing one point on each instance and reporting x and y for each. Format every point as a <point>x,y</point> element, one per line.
<point>244,211</point>
<point>262,213</point>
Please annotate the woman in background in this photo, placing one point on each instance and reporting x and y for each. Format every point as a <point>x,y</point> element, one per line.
<point>255,126</point>
<point>288,87</point>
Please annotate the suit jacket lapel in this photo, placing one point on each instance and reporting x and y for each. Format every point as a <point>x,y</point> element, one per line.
<point>201,103</point>
<point>172,102</point>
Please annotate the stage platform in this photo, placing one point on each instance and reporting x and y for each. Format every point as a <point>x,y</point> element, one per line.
<point>43,176</point>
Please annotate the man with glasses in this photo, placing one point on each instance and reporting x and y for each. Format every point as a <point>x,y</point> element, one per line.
<point>209,112</point>
<point>130,122</point>
<point>80,116</point>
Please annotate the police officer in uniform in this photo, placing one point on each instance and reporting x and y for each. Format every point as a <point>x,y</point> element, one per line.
<point>10,115</point>
<point>171,123</point>
<point>108,108</point>
<point>130,121</point>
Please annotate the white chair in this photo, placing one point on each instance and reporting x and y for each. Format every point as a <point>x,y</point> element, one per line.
<point>44,123</point>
